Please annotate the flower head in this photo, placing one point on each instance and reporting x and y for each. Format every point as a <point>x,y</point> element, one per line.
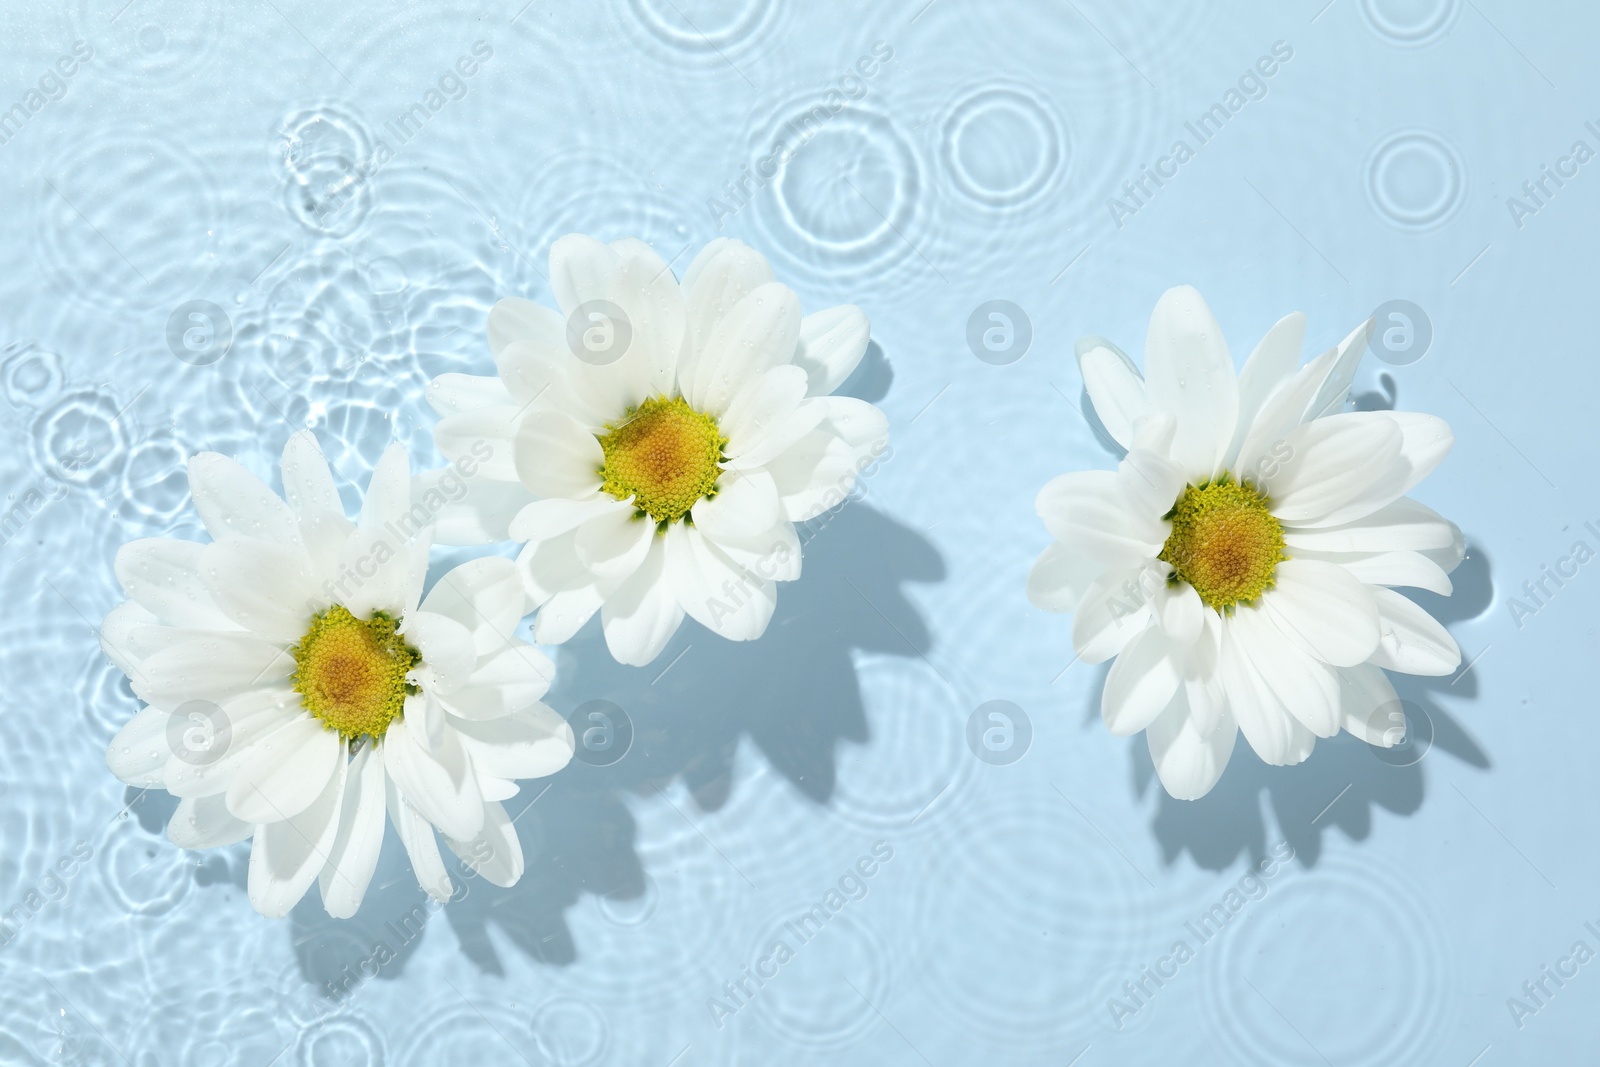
<point>658,440</point>
<point>299,687</point>
<point>1240,563</point>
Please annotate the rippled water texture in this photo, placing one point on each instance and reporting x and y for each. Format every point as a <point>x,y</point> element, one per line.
<point>225,222</point>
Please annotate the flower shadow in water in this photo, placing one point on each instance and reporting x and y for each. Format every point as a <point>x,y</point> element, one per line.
<point>1344,779</point>
<point>794,693</point>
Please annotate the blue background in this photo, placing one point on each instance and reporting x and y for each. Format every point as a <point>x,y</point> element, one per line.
<point>241,154</point>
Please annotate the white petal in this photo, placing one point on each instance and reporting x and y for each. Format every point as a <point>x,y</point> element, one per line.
<point>1424,441</point>
<point>532,742</point>
<point>486,436</point>
<point>1059,578</point>
<point>269,589</point>
<point>1448,557</point>
<point>746,505</point>
<point>545,519</point>
<point>1412,641</point>
<point>773,553</point>
<point>286,856</point>
<point>1189,374</point>
<point>140,750</point>
<point>724,273</point>
<point>1141,683</point>
<point>785,434</point>
<point>1180,611</point>
<point>354,855</point>
<point>560,585</point>
<point>129,633</point>
<point>1154,432</point>
<point>1334,388</point>
<point>1320,387</point>
<point>495,853</point>
<point>1115,387</point>
<point>1332,462</point>
<point>582,269</point>
<point>762,404</point>
<point>205,822</point>
<point>212,666</point>
<point>859,424</point>
<point>653,302</point>
<point>422,848</point>
<point>218,742</point>
<point>514,677</point>
<point>285,773</point>
<point>1325,610</point>
<point>758,333</point>
<point>449,653</point>
<point>814,475</point>
<point>832,343</point>
<point>612,545</point>
<point>1150,484</point>
<point>1305,687</point>
<point>308,487</point>
<point>1202,679</point>
<point>231,500</point>
<point>714,591</point>
<point>1388,568</point>
<point>1404,524</point>
<point>641,616</point>
<point>1271,364</point>
<point>1188,761</point>
<point>496,790</point>
<point>1262,718</point>
<point>514,319</point>
<point>438,784</point>
<point>486,596</point>
<point>163,577</point>
<point>1113,612</point>
<point>556,457</point>
<point>1370,706</point>
<point>378,570</point>
<point>1091,515</point>
<point>388,490</point>
<point>543,374</point>
<point>453,393</point>
<point>475,511</point>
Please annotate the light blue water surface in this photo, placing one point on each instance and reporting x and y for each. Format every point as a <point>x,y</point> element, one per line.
<point>938,156</point>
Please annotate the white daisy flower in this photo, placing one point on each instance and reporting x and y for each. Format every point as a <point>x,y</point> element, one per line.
<point>655,441</point>
<point>1240,562</point>
<point>298,690</point>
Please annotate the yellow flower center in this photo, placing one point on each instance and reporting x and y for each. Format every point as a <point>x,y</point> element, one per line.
<point>351,673</point>
<point>1224,542</point>
<point>664,456</point>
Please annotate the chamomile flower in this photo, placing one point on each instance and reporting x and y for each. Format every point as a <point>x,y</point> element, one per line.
<point>653,442</point>
<point>300,688</point>
<point>1241,562</point>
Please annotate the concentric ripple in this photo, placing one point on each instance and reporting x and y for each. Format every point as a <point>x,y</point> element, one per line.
<point>915,756</point>
<point>339,1042</point>
<point>1386,934</point>
<point>82,439</point>
<point>126,219</point>
<point>1002,146</point>
<point>1409,22</point>
<point>32,376</point>
<point>156,43</point>
<point>842,200</point>
<point>705,28</point>
<point>324,157</point>
<point>1415,179</point>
